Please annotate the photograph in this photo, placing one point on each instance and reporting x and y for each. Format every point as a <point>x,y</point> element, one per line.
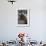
<point>23,17</point>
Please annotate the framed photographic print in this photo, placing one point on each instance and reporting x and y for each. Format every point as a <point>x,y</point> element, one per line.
<point>23,17</point>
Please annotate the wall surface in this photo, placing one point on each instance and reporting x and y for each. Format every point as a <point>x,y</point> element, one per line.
<point>37,29</point>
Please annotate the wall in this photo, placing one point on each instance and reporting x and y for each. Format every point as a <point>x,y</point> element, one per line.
<point>37,29</point>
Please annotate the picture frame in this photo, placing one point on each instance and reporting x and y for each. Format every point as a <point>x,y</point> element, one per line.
<point>23,14</point>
